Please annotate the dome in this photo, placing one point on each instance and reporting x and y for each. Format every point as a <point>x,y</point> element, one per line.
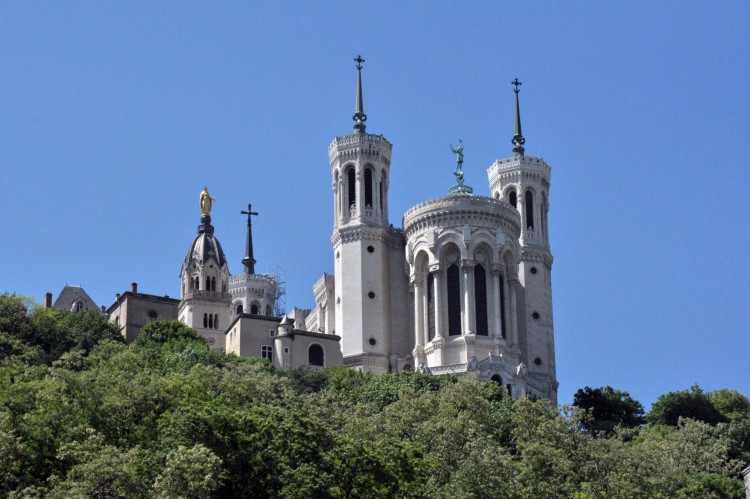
<point>206,247</point>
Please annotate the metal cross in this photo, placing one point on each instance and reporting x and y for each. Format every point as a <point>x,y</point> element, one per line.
<point>516,83</point>
<point>359,60</point>
<point>249,213</point>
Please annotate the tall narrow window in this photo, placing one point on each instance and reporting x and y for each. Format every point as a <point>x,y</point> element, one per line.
<point>430,306</point>
<point>210,321</point>
<point>216,321</point>
<point>254,309</point>
<point>513,199</point>
<point>269,310</point>
<point>239,309</point>
<point>480,299</point>
<point>454,300</point>
<point>266,352</point>
<point>381,193</point>
<point>315,355</point>
<point>529,210</point>
<point>213,284</point>
<point>208,284</point>
<point>368,187</point>
<point>205,321</point>
<point>352,184</point>
<point>502,305</point>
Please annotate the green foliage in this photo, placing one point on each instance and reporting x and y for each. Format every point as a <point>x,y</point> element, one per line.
<point>693,404</point>
<point>608,408</point>
<point>84,415</point>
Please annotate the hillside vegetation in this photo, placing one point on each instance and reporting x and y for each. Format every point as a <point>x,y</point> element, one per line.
<point>84,415</point>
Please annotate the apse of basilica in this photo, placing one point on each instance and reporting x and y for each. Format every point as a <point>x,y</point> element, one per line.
<point>463,286</point>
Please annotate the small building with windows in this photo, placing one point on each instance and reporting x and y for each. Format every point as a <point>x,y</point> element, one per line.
<point>72,299</point>
<point>133,310</point>
<point>279,342</point>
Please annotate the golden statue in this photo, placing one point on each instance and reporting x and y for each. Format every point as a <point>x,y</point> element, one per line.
<point>206,202</point>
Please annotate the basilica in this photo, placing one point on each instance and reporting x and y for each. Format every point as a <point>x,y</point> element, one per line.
<point>463,286</point>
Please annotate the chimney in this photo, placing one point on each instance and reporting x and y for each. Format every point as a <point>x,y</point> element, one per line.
<point>134,287</point>
<point>48,300</point>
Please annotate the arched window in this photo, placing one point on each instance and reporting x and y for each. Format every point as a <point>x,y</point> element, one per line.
<point>497,379</point>
<point>210,321</point>
<point>510,393</point>
<point>239,309</point>
<point>213,284</point>
<point>529,210</point>
<point>513,199</point>
<point>501,304</point>
<point>316,355</point>
<point>208,284</point>
<point>480,299</point>
<point>352,187</point>
<point>254,309</point>
<point>454,300</point>
<point>269,310</point>
<point>205,321</point>
<point>216,321</point>
<point>368,187</point>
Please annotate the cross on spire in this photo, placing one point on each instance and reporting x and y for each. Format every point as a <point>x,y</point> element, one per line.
<point>249,261</point>
<point>359,112</point>
<point>518,141</point>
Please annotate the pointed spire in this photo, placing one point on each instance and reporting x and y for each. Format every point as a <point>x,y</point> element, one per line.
<point>359,113</point>
<point>518,141</point>
<point>249,261</point>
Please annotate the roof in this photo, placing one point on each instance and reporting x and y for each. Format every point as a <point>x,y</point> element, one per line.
<point>142,296</point>
<point>71,294</point>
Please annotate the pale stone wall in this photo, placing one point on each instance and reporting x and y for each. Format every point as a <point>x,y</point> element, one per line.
<point>131,311</point>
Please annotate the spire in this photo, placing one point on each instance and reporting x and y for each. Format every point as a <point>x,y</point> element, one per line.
<point>359,113</point>
<point>249,261</point>
<point>518,141</point>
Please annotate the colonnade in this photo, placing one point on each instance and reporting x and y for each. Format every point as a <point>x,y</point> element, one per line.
<point>432,314</point>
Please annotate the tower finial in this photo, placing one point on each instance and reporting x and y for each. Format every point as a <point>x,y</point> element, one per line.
<point>249,261</point>
<point>518,141</point>
<point>359,113</point>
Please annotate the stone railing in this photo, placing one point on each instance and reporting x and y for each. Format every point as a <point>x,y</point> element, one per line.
<point>469,208</point>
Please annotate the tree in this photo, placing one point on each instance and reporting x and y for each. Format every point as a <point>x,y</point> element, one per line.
<point>732,405</point>
<point>693,403</point>
<point>190,472</point>
<point>608,408</point>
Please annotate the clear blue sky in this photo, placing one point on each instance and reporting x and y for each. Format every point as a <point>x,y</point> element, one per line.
<point>113,115</point>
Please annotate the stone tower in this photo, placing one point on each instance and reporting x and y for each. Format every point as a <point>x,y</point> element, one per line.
<point>368,254</point>
<point>252,293</point>
<point>524,182</point>
<point>205,299</point>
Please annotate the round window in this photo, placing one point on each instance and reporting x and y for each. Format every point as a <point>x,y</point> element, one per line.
<point>537,361</point>
<point>371,341</point>
<point>532,270</point>
<point>371,295</point>
<point>370,249</point>
<point>535,315</point>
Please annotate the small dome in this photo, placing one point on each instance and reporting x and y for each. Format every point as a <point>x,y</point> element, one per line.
<point>206,247</point>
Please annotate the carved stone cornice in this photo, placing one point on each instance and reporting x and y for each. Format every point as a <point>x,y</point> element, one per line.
<point>537,256</point>
<point>458,211</point>
<point>391,238</point>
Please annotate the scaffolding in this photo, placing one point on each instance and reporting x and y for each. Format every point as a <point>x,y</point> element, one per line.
<point>279,275</point>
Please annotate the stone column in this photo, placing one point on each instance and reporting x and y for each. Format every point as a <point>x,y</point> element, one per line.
<point>469,313</point>
<point>497,331</point>
<point>425,308</point>
<point>512,283</point>
<point>418,322</point>
<point>360,188</point>
<point>436,273</point>
<point>336,203</point>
